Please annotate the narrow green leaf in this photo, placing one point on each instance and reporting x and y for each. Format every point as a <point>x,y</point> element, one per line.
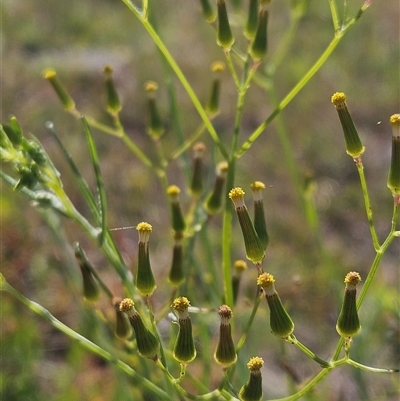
<point>99,180</point>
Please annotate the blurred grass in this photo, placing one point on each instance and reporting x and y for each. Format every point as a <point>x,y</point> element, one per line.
<point>78,38</point>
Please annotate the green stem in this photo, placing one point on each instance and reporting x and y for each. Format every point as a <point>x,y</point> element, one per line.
<point>360,169</point>
<point>293,340</point>
<point>189,90</point>
<point>369,368</point>
<point>300,85</point>
<point>84,342</point>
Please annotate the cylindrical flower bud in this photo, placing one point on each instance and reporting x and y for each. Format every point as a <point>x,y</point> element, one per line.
<point>147,343</point>
<point>394,173</point>
<point>258,48</point>
<point>354,147</point>
<point>178,221</point>
<point>14,131</point>
<point>240,266</point>
<point>145,282</point>
<point>281,324</point>
<point>90,287</point>
<point>213,102</point>
<point>176,275</point>
<point>224,34</point>
<point>225,353</point>
<point>260,225</point>
<point>348,324</point>
<point>252,19</point>
<point>252,390</point>
<point>213,202</point>
<point>208,11</point>
<point>60,90</point>
<point>155,127</point>
<point>122,326</point>
<point>196,185</point>
<point>254,248</point>
<point>114,105</point>
<point>184,350</point>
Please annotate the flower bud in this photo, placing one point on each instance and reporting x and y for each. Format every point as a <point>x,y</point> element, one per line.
<point>60,90</point>
<point>196,185</point>
<point>213,202</point>
<point>90,286</point>
<point>348,324</point>
<point>114,105</point>
<point>254,248</point>
<point>394,173</point>
<point>252,19</point>
<point>252,390</point>
<point>258,48</point>
<point>224,34</point>
<point>14,131</point>
<point>122,327</point>
<point>354,147</point>
<point>281,324</point>
<point>208,11</point>
<point>225,353</point>
<point>147,343</point>
<point>184,350</point>
<point>213,102</point>
<point>145,282</point>
<point>155,127</point>
<point>240,266</point>
<point>178,221</point>
<point>176,275</point>
<point>259,218</point>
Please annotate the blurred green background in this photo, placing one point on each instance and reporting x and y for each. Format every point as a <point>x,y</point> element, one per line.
<point>78,38</point>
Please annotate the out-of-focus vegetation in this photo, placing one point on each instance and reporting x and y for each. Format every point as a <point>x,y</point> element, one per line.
<point>77,38</point>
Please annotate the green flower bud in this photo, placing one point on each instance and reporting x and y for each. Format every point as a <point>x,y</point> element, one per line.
<point>254,248</point>
<point>63,95</point>
<point>114,105</point>
<point>225,353</point>
<point>208,11</point>
<point>122,326</point>
<point>394,173</point>
<point>240,266</point>
<point>252,390</point>
<point>145,282</point>
<point>196,185</point>
<point>224,34</point>
<point>155,128</point>
<point>184,350</point>
<point>252,19</point>
<point>348,324</point>
<point>178,221</point>
<point>176,276</point>
<point>14,131</point>
<point>354,147</point>
<point>213,202</point>
<point>258,48</point>
<point>259,218</point>
<point>147,343</point>
<point>281,324</point>
<point>90,287</point>
<point>213,102</point>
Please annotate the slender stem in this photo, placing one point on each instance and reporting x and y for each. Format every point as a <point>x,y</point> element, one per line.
<point>293,340</point>
<point>182,78</point>
<point>300,85</point>
<point>369,368</point>
<point>335,16</point>
<point>232,69</point>
<point>360,169</point>
<point>84,342</point>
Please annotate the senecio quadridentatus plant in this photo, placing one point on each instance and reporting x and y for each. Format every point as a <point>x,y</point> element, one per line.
<point>136,323</point>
